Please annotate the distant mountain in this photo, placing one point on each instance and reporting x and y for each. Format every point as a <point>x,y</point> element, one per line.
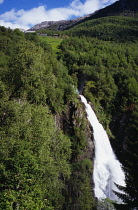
<point>129,5</point>
<point>57,25</point>
<point>123,7</point>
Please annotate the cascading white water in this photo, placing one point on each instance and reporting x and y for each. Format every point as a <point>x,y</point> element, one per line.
<point>107,169</point>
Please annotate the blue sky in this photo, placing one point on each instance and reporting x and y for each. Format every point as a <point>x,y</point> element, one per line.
<point>26,13</point>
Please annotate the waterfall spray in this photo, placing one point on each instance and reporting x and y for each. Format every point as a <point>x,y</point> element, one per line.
<point>107,169</point>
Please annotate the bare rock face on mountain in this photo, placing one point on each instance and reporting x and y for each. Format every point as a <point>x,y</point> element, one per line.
<point>47,24</point>
<point>57,25</point>
<point>126,7</point>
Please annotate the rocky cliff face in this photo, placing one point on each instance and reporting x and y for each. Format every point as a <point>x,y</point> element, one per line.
<point>114,9</point>
<point>57,25</point>
<point>74,122</point>
<point>48,24</point>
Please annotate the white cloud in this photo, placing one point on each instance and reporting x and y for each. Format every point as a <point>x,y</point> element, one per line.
<point>12,25</point>
<point>107,2</point>
<point>26,19</point>
<point>1,1</point>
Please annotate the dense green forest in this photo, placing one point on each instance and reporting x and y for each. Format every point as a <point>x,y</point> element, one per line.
<point>107,74</point>
<point>112,28</point>
<point>42,146</point>
<point>46,159</point>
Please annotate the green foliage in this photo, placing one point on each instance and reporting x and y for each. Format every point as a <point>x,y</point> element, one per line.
<point>130,142</point>
<point>99,64</point>
<point>80,194</point>
<point>107,74</point>
<point>34,153</point>
<point>41,166</point>
<point>105,204</point>
<point>35,76</point>
<point>111,28</point>
<point>34,157</point>
<point>53,41</point>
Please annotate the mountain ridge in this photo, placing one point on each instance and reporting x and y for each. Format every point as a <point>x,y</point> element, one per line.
<point>59,25</point>
<point>122,7</point>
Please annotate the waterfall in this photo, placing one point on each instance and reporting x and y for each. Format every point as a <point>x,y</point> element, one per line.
<point>107,169</point>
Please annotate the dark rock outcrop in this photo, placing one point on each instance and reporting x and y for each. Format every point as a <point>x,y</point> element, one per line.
<point>73,119</point>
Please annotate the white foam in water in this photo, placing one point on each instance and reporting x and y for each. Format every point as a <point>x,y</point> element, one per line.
<point>107,169</point>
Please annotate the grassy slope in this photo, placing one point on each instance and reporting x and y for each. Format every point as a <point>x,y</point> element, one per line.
<point>53,41</point>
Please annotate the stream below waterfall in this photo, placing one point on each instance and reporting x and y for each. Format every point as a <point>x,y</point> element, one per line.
<point>107,169</point>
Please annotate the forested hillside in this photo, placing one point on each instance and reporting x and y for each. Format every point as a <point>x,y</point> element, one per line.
<point>112,28</point>
<point>41,142</point>
<point>102,58</point>
<point>46,141</point>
